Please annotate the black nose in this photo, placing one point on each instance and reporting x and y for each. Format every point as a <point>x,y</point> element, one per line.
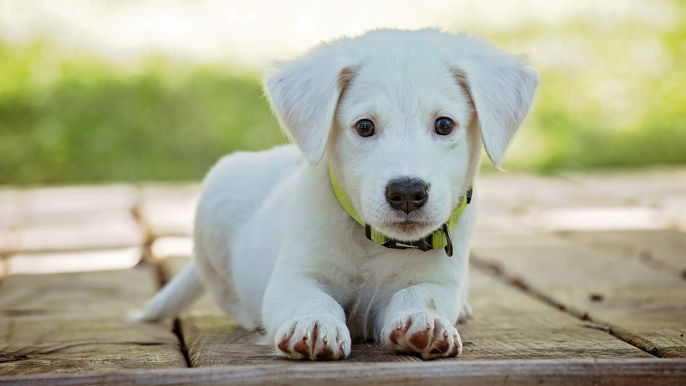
<point>406,194</point>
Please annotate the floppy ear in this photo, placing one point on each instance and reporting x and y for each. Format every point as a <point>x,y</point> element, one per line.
<point>502,89</point>
<point>304,95</point>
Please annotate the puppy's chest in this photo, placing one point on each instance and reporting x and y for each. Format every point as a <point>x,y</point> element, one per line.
<point>376,281</point>
<point>382,269</point>
<point>374,271</point>
<point>363,277</point>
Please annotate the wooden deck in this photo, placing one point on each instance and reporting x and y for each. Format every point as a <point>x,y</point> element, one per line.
<point>576,279</point>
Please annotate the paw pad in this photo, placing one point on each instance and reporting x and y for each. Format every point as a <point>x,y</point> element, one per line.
<point>309,337</point>
<point>422,334</point>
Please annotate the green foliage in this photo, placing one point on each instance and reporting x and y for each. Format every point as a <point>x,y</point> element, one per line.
<point>80,120</point>
<point>613,93</point>
<point>614,96</point>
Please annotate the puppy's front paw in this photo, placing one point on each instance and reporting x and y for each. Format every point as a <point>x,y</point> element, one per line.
<point>315,338</point>
<point>422,333</point>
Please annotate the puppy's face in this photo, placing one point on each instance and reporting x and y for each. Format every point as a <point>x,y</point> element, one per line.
<point>402,145</point>
<point>401,116</point>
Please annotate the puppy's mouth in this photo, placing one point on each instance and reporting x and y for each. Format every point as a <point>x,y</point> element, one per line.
<point>410,227</point>
<point>407,229</point>
<point>407,225</point>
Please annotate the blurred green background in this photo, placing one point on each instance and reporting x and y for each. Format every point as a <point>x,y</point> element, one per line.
<point>613,93</point>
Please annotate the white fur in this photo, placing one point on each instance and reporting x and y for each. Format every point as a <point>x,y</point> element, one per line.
<point>276,249</point>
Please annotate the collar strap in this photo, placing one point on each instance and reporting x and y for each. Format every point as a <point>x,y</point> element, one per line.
<point>440,238</point>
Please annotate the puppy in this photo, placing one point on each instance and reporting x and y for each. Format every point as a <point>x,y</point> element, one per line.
<point>360,231</point>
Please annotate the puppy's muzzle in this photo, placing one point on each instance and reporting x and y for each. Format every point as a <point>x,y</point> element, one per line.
<point>407,194</point>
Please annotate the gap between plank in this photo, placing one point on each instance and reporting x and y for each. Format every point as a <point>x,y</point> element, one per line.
<point>148,235</point>
<point>519,283</point>
<point>179,335</point>
<point>149,239</point>
<point>176,329</point>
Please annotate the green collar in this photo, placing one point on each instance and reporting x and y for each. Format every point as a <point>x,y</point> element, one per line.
<point>440,238</point>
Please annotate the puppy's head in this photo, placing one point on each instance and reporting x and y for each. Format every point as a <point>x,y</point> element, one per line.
<point>400,116</point>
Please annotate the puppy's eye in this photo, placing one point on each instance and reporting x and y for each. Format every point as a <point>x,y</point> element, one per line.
<point>444,126</point>
<point>365,128</point>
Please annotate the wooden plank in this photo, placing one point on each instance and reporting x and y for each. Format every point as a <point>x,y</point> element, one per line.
<point>664,249</point>
<point>508,325</point>
<point>97,231</point>
<point>675,208</point>
<point>9,216</point>
<point>169,246</point>
<point>644,372</point>
<point>505,201</point>
<point>3,267</point>
<point>516,193</point>
<point>68,218</point>
<point>8,241</point>
<point>74,261</point>
<point>594,218</point>
<point>514,239</point>
<point>169,210</point>
<point>53,205</point>
<point>640,305</point>
<point>644,199</point>
<point>8,208</point>
<point>78,322</point>
<point>646,186</point>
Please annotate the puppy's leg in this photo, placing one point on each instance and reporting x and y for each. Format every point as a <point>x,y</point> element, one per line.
<point>466,312</point>
<point>308,322</point>
<point>415,322</point>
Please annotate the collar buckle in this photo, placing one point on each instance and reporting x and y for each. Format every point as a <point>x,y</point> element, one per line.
<point>449,239</point>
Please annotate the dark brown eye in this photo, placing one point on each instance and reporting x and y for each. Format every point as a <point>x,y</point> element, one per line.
<point>365,128</point>
<point>444,126</point>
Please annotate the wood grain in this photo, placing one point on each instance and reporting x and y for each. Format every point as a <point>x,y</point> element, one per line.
<point>638,304</point>
<point>643,372</point>
<point>77,322</point>
<point>663,249</point>
<point>508,325</point>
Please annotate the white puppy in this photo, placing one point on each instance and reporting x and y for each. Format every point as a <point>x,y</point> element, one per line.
<point>395,121</point>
